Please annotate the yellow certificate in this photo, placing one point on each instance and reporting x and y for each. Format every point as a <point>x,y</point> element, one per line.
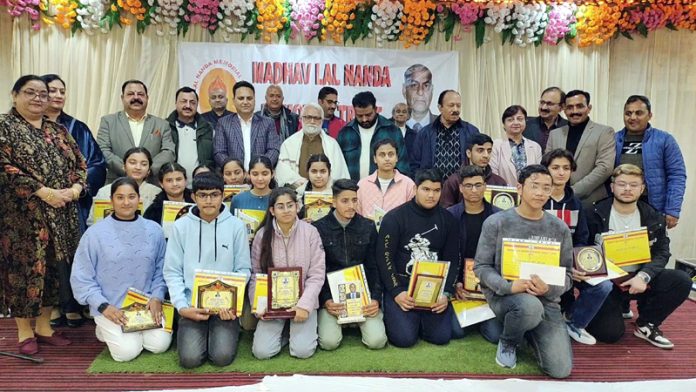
<point>138,318</point>
<point>427,290</point>
<point>318,205</point>
<point>626,248</point>
<point>285,290</point>
<point>517,251</point>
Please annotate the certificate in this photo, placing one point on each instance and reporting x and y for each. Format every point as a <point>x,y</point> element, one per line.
<point>217,296</point>
<point>317,205</point>
<point>103,209</point>
<point>625,248</point>
<point>352,301</point>
<point>471,312</point>
<point>503,197</point>
<point>136,299</point>
<point>138,318</point>
<point>517,251</point>
<point>171,212</point>
<point>590,260</point>
<point>252,219</point>
<point>349,287</point>
<point>231,191</point>
<point>472,284</point>
<point>426,291</point>
<point>284,291</point>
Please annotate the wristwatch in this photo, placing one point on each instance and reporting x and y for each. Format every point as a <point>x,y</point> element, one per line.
<point>103,307</point>
<point>644,276</point>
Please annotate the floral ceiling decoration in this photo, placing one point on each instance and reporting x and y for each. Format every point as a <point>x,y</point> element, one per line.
<point>410,22</point>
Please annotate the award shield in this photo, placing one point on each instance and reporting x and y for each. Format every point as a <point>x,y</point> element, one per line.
<point>139,318</point>
<point>217,296</point>
<point>426,290</point>
<point>284,290</point>
<point>590,260</point>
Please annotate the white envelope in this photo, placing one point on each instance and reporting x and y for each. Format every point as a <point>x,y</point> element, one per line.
<point>551,275</point>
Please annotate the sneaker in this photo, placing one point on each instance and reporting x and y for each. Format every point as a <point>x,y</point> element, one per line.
<point>580,335</point>
<point>506,355</point>
<point>627,315</point>
<point>652,334</point>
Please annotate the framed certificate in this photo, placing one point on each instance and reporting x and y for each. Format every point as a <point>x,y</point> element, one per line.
<point>284,291</point>
<point>517,251</point>
<point>472,284</point>
<point>590,260</point>
<point>350,294</point>
<point>426,290</point>
<point>217,296</point>
<point>625,248</point>
<point>318,204</point>
<point>138,318</point>
<point>503,197</point>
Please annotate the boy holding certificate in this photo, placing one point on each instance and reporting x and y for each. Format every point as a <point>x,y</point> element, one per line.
<point>349,240</point>
<point>659,291</point>
<point>528,307</point>
<point>419,230</point>
<point>207,238</point>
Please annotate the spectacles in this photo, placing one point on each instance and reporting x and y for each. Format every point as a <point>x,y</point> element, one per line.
<point>31,94</point>
<point>548,103</point>
<point>632,185</point>
<point>306,118</point>
<point>478,186</point>
<point>545,189</point>
<point>284,207</point>
<point>209,196</point>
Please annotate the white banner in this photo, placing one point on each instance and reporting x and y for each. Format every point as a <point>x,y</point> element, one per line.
<point>302,71</point>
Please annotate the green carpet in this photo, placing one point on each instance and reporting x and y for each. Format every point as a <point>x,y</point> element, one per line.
<point>471,355</point>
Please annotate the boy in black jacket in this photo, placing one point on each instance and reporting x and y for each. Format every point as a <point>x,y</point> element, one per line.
<point>349,239</point>
<point>417,230</point>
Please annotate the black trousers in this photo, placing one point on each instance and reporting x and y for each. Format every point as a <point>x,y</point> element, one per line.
<point>68,304</point>
<point>666,291</point>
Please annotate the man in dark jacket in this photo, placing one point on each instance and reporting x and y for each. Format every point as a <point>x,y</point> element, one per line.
<point>659,291</point>
<point>419,230</point>
<point>442,144</point>
<point>551,105</point>
<point>358,138</point>
<point>192,135</point>
<point>349,239</point>
<point>286,122</point>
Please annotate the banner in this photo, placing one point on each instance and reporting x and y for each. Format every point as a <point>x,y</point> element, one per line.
<point>301,71</point>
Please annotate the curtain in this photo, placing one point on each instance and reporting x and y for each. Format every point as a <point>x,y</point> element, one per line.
<point>662,66</point>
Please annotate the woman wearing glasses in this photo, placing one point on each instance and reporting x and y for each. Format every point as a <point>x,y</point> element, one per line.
<point>42,175</point>
<point>514,151</point>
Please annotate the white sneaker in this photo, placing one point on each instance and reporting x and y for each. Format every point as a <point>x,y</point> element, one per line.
<point>653,335</point>
<point>580,335</point>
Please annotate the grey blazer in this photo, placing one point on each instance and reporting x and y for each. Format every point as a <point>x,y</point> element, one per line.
<point>594,156</point>
<point>115,138</point>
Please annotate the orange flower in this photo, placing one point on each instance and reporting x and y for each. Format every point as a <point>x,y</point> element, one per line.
<point>598,23</point>
<point>271,17</point>
<point>419,16</point>
<point>336,14</point>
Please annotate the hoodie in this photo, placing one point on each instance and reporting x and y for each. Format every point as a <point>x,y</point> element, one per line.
<point>221,245</point>
<point>570,211</point>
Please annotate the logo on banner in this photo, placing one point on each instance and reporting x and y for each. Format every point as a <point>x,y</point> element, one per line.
<point>213,76</point>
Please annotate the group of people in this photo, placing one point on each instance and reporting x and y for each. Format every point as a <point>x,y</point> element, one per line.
<point>400,193</point>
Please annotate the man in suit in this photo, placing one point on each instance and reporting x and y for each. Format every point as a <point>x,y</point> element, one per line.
<point>591,144</point>
<point>192,135</point>
<point>119,131</point>
<point>243,135</point>
<point>418,92</point>
<point>550,106</point>
<point>286,122</point>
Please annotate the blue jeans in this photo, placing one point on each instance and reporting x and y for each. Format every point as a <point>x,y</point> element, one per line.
<point>526,316</point>
<point>404,328</point>
<point>588,303</point>
<point>489,329</point>
<point>213,339</point>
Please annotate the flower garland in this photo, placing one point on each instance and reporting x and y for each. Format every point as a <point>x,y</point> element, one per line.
<point>386,20</point>
<point>166,15</point>
<point>529,24</point>
<point>203,13</point>
<point>271,18</point>
<point>337,17</point>
<point>598,23</point>
<point>235,16</point>
<point>416,22</point>
<point>60,12</point>
<point>18,8</point>
<point>561,23</point>
<point>90,14</point>
<point>468,13</point>
<point>133,7</point>
<point>307,16</point>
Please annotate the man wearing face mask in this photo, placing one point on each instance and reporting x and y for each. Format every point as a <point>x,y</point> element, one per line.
<point>359,137</point>
<point>296,150</point>
<point>133,127</point>
<point>592,146</point>
<point>442,144</point>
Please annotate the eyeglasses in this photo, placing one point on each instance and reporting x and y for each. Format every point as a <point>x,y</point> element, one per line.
<point>478,186</point>
<point>306,118</point>
<point>31,94</point>
<point>209,196</point>
<point>545,189</point>
<point>285,207</point>
<point>632,185</point>
<point>548,103</point>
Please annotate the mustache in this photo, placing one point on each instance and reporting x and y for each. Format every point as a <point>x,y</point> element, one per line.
<point>136,100</point>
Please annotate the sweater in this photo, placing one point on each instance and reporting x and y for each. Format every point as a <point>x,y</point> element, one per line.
<point>114,255</point>
<point>509,224</point>
<point>570,211</point>
<point>400,190</point>
<point>411,232</point>
<point>221,245</point>
<point>303,249</point>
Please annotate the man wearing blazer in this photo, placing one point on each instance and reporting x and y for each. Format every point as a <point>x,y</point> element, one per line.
<point>591,144</point>
<point>244,135</point>
<point>119,131</point>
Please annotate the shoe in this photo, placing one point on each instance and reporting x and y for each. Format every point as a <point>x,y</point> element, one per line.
<point>75,323</point>
<point>652,334</point>
<point>59,321</point>
<point>506,355</point>
<point>580,335</point>
<point>627,315</point>
<point>28,346</point>
<point>57,339</point>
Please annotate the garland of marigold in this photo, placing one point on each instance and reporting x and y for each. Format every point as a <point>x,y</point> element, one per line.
<point>338,15</point>
<point>271,18</point>
<point>597,23</point>
<point>418,19</point>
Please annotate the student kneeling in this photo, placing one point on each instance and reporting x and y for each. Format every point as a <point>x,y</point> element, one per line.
<point>122,251</point>
<point>528,307</point>
<point>349,239</point>
<point>208,238</point>
<point>417,230</point>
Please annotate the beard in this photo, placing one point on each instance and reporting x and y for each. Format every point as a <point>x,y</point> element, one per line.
<point>311,130</point>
